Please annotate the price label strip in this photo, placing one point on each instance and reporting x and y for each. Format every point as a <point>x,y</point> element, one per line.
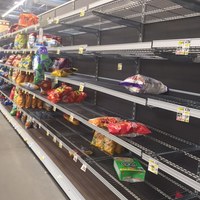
<point>183,47</point>
<point>81,87</point>
<point>84,167</point>
<point>153,166</point>
<point>183,114</point>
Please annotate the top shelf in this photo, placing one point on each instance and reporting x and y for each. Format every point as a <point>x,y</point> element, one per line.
<point>106,15</point>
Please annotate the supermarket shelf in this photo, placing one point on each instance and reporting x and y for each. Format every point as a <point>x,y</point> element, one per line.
<point>91,83</point>
<point>60,178</point>
<point>127,11</point>
<point>17,68</point>
<point>136,145</point>
<point>62,108</point>
<point>61,127</point>
<point>26,30</point>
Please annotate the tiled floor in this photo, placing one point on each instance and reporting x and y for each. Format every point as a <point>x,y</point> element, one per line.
<point>22,177</point>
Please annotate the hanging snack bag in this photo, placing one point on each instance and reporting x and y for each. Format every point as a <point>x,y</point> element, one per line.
<point>27,19</point>
<point>16,61</point>
<point>27,62</point>
<point>20,78</point>
<point>34,103</point>
<point>12,93</point>
<point>144,84</point>
<point>28,101</point>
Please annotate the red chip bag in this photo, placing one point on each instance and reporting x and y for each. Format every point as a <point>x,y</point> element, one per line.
<point>12,93</point>
<point>142,129</point>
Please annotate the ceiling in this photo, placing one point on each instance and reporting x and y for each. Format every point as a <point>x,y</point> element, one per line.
<point>34,6</point>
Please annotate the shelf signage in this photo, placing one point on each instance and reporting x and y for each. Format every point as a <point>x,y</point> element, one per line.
<point>84,167</point>
<point>153,166</point>
<point>183,114</point>
<point>183,47</point>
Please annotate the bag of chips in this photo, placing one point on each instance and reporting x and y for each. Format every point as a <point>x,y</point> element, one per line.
<point>27,19</point>
<point>17,60</point>
<point>144,84</point>
<point>39,104</point>
<point>20,100</point>
<point>12,93</point>
<point>20,78</point>
<point>28,101</point>
<point>20,41</point>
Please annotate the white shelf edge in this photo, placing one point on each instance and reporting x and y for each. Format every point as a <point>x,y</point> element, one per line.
<point>120,47</point>
<point>195,42</point>
<point>174,173</point>
<point>171,107</point>
<point>60,178</point>
<point>102,89</point>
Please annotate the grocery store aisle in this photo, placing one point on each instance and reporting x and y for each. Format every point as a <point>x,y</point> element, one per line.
<point>21,175</point>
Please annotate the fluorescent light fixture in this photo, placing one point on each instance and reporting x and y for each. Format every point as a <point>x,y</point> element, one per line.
<point>14,7</point>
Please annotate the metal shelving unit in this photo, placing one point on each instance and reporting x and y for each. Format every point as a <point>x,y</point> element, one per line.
<point>137,145</point>
<point>70,138</point>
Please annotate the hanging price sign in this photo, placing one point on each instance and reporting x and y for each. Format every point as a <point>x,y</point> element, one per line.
<point>81,87</point>
<point>153,166</point>
<point>82,13</point>
<point>58,51</point>
<point>119,66</point>
<point>71,117</point>
<point>54,139</point>
<point>183,47</point>
<point>81,49</point>
<point>75,158</point>
<point>84,167</point>
<point>60,144</point>
<point>183,114</point>
<point>47,133</point>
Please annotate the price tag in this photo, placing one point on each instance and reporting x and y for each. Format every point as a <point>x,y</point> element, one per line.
<point>54,139</point>
<point>47,133</point>
<point>84,167</point>
<point>119,66</point>
<point>57,21</point>
<point>33,96</point>
<point>71,117</point>
<point>153,166</point>
<point>39,125</point>
<point>58,51</point>
<point>81,49</point>
<point>42,157</point>
<point>81,88</point>
<point>45,77</point>
<point>60,144</point>
<point>183,47</point>
<point>54,109</point>
<point>56,80</point>
<point>82,13</point>
<point>75,158</point>
<point>29,72</point>
<point>183,114</point>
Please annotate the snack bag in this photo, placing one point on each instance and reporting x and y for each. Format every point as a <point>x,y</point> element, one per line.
<point>28,101</point>
<point>41,63</point>
<point>27,19</point>
<point>12,93</point>
<point>20,100</point>
<point>98,140</point>
<point>16,61</point>
<point>20,78</point>
<point>39,104</point>
<point>143,84</point>
<point>10,59</point>
<point>27,62</point>
<point>109,146</point>
<point>20,41</point>
<point>14,75</point>
<point>34,103</point>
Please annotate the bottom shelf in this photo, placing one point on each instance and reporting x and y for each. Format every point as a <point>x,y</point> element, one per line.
<point>78,185</point>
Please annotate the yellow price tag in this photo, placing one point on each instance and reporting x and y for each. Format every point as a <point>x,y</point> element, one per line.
<point>54,139</point>
<point>75,158</point>
<point>81,88</point>
<point>58,51</point>
<point>56,80</point>
<point>57,21</point>
<point>84,167</point>
<point>48,133</point>
<point>45,77</point>
<point>54,109</point>
<point>60,144</point>
<point>81,49</point>
<point>153,166</point>
<point>119,66</point>
<point>71,117</point>
<point>82,13</point>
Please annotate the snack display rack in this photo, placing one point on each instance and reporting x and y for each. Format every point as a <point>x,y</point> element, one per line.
<point>178,158</point>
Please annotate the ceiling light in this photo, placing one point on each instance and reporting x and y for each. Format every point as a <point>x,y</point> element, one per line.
<point>14,7</point>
